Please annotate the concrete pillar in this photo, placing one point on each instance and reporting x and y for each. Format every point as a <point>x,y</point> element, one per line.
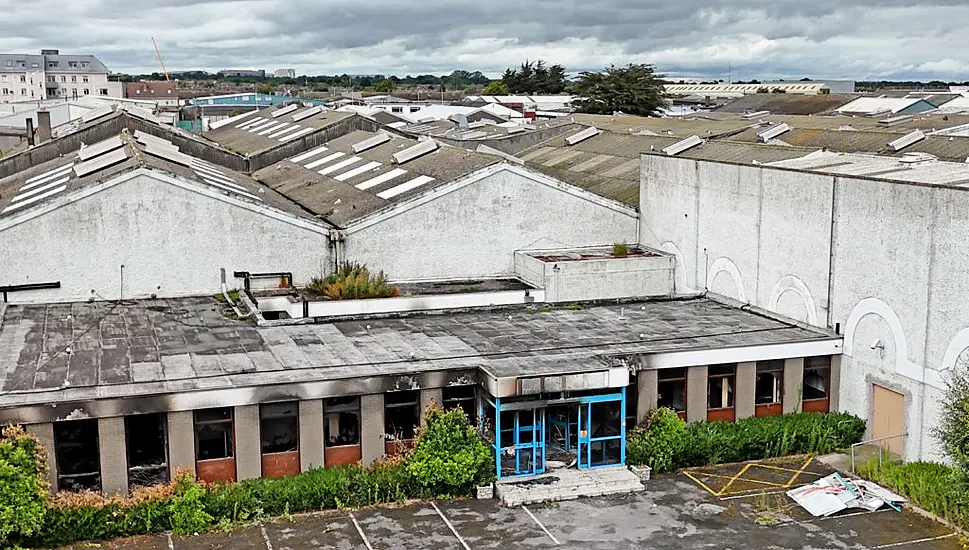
<point>428,396</point>
<point>248,452</point>
<point>834,393</point>
<point>114,455</point>
<point>372,427</point>
<point>744,397</point>
<point>793,381</point>
<point>311,434</point>
<point>181,442</point>
<point>45,434</point>
<point>647,386</point>
<point>696,393</point>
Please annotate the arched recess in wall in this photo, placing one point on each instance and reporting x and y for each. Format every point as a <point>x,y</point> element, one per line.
<point>790,283</point>
<point>680,275</point>
<point>958,349</point>
<point>903,366</point>
<point>726,265</point>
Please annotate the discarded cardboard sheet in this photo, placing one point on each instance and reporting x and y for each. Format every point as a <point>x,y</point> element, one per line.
<point>832,494</point>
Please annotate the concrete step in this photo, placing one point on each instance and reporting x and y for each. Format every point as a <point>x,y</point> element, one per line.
<point>568,485</point>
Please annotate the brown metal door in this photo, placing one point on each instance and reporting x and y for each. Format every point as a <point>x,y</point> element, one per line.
<point>888,418</point>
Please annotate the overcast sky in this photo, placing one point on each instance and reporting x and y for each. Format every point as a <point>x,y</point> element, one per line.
<point>759,38</point>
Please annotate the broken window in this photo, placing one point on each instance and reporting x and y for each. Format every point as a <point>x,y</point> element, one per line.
<point>341,421</point>
<point>770,380</point>
<point>672,389</point>
<point>279,427</point>
<point>632,402</point>
<point>462,397</point>
<point>147,448</point>
<point>401,413</point>
<point>720,386</point>
<point>817,377</point>
<point>213,433</point>
<point>77,455</point>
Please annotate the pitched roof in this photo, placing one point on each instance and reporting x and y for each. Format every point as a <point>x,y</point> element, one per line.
<point>258,131</point>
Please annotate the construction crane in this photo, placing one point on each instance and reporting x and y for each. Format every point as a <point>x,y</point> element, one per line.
<point>160,60</point>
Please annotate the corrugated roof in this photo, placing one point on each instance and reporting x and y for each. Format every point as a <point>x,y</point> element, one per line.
<point>909,168</point>
<point>261,132</point>
<point>787,104</point>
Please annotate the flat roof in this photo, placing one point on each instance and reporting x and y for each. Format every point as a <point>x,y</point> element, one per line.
<point>80,352</point>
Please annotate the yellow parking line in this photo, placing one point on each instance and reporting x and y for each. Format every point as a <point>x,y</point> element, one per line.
<point>744,479</point>
<point>734,478</point>
<point>799,472</point>
<point>701,484</point>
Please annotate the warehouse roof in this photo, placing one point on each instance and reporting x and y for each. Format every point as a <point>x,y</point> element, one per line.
<point>258,131</point>
<point>363,172</point>
<point>97,350</point>
<point>787,104</point>
<point>914,168</point>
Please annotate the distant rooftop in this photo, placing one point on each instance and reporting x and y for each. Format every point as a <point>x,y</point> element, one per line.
<point>914,168</point>
<point>258,131</point>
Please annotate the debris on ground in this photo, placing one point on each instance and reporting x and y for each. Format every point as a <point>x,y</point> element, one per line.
<point>832,494</point>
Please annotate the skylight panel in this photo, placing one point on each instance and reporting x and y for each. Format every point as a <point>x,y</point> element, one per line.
<point>307,113</point>
<point>582,136</point>
<point>415,151</point>
<point>370,143</point>
<point>357,171</point>
<point>381,178</point>
<point>683,145</point>
<point>405,187</point>
<point>91,151</point>
<point>100,162</point>
<point>302,132</point>
<point>285,110</point>
<point>309,154</point>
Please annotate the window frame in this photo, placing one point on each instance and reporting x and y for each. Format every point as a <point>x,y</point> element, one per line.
<point>198,424</point>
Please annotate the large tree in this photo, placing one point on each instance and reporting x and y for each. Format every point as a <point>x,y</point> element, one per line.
<point>635,89</point>
<point>496,87</point>
<point>535,78</point>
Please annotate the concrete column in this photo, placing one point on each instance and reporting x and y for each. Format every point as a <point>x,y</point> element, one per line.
<point>45,434</point>
<point>114,455</point>
<point>428,396</point>
<point>834,393</point>
<point>248,452</point>
<point>696,393</point>
<point>181,442</point>
<point>372,427</point>
<point>744,397</point>
<point>647,386</point>
<point>793,382</point>
<point>311,434</point>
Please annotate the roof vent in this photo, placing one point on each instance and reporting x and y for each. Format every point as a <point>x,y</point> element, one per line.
<point>307,113</point>
<point>100,148</point>
<point>756,114</point>
<point>169,154</point>
<point>894,120</point>
<point>683,145</point>
<point>285,110</point>
<point>906,140</point>
<point>100,162</point>
<point>515,130</point>
<point>370,143</point>
<point>415,151</point>
<point>773,132</point>
<point>582,136</point>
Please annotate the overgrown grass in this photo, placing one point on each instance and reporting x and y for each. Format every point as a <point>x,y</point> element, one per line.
<point>620,250</point>
<point>353,281</point>
<point>934,487</point>
<point>665,442</point>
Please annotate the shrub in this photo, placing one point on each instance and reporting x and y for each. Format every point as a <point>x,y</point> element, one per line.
<point>620,250</point>
<point>187,507</point>
<point>449,457</point>
<point>933,487</point>
<point>23,485</point>
<point>353,281</point>
<point>670,445</point>
<point>952,432</point>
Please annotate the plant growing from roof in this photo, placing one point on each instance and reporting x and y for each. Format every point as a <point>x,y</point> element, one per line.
<point>620,250</point>
<point>353,281</point>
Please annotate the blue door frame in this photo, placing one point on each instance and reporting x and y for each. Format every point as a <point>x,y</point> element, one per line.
<point>528,431</point>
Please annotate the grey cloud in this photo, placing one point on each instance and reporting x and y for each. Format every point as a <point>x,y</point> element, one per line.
<point>860,38</point>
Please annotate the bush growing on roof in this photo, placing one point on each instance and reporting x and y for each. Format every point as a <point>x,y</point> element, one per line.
<point>23,485</point>
<point>353,281</point>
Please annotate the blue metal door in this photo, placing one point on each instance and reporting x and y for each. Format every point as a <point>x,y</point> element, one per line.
<point>584,439</point>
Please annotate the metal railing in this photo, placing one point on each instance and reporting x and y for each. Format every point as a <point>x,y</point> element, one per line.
<point>870,441</point>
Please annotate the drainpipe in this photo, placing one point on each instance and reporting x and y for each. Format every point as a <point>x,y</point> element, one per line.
<point>337,241</point>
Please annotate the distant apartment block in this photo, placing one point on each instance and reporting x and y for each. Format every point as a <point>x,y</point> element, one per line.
<point>285,73</point>
<point>50,75</point>
<point>243,72</point>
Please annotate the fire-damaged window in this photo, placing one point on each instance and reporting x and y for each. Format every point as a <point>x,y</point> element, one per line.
<point>462,397</point>
<point>341,421</point>
<point>213,433</point>
<point>279,427</point>
<point>672,389</point>
<point>770,382</point>
<point>401,413</point>
<point>146,444</point>
<point>720,386</point>
<point>817,376</point>
<point>77,455</point>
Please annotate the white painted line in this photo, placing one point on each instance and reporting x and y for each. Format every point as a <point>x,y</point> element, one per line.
<point>279,130</point>
<point>753,495</point>
<point>342,164</point>
<point>280,135</point>
<point>209,171</point>
<point>41,189</point>
<point>357,171</point>
<point>304,131</point>
<point>449,526</point>
<point>405,187</point>
<point>309,154</point>
<point>44,178</point>
<point>273,128</point>
<point>359,530</point>
<point>35,199</point>
<point>231,190</point>
<point>814,520</point>
<point>377,180</point>
<point>232,184</point>
<point>535,519</point>
<point>171,545</point>
<point>324,160</point>
<point>265,537</point>
<point>196,163</point>
<point>917,541</point>
<point>261,126</point>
